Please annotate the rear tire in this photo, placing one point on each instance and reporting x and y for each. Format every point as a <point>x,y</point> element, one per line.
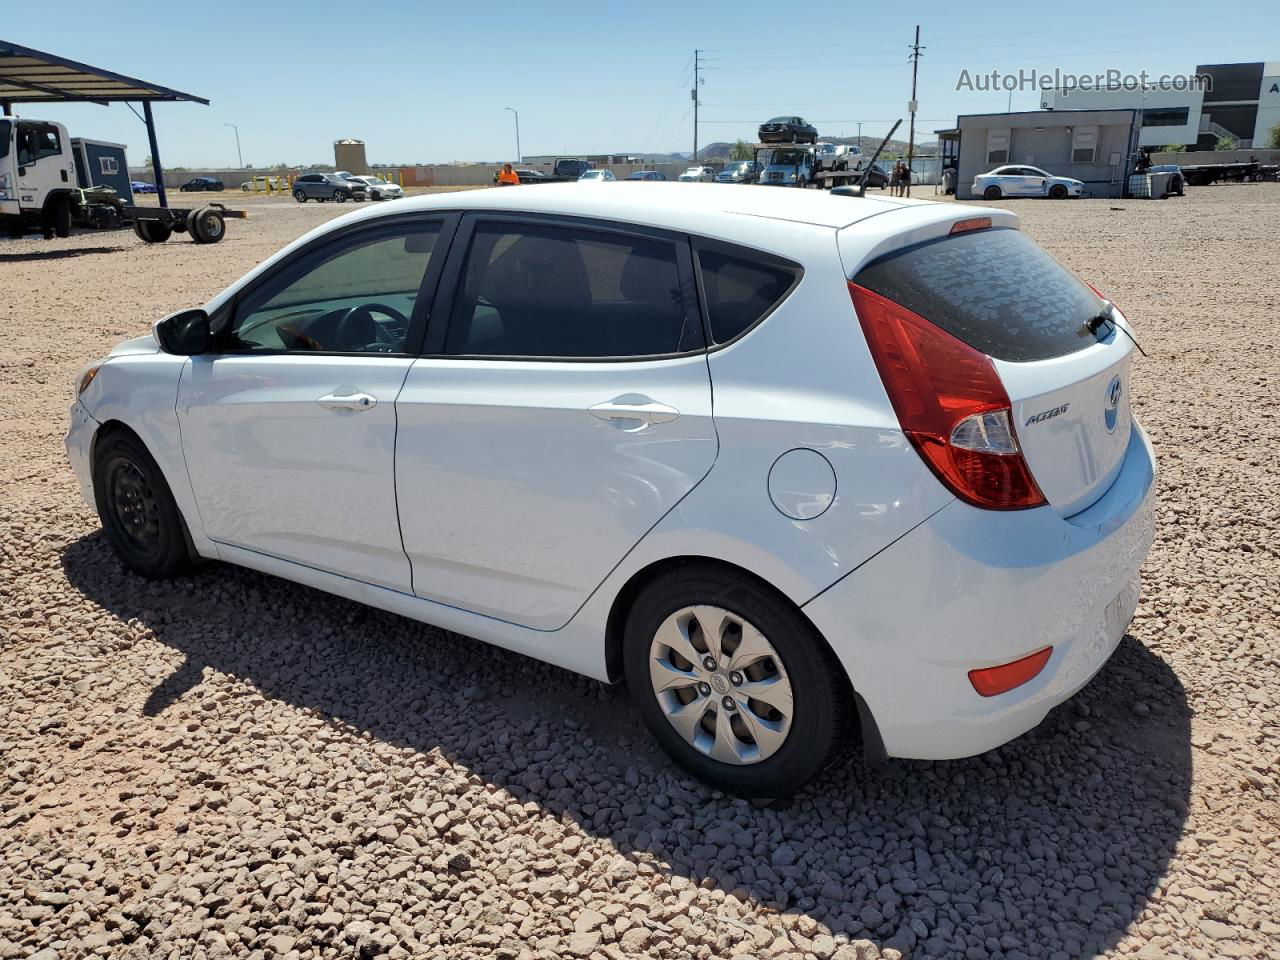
<point>992,193</point>
<point>139,515</point>
<point>206,225</point>
<point>800,728</point>
<point>152,231</point>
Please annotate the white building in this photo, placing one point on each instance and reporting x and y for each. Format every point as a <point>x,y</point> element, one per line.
<point>1241,100</point>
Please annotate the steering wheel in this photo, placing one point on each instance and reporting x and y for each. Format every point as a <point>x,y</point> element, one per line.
<point>357,326</point>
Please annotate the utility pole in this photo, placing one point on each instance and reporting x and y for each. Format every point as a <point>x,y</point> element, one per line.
<point>911,107</point>
<point>239,155</point>
<point>697,62</point>
<point>516,114</point>
<point>859,134</point>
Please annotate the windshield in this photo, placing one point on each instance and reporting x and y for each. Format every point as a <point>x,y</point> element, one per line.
<point>789,157</point>
<point>375,181</point>
<point>826,148</point>
<point>5,133</point>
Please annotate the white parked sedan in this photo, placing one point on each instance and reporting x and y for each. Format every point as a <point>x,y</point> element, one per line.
<point>698,175</point>
<point>795,467</point>
<point>1024,181</point>
<point>598,176</point>
<point>380,189</point>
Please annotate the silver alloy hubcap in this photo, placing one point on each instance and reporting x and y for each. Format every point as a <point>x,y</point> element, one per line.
<point>721,685</point>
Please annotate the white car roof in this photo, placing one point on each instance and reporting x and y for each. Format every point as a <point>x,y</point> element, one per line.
<point>750,214</point>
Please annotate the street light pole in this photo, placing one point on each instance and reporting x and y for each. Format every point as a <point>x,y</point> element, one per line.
<point>516,114</point>
<point>239,155</point>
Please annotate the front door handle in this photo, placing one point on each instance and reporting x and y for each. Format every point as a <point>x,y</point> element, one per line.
<point>635,407</point>
<point>348,401</point>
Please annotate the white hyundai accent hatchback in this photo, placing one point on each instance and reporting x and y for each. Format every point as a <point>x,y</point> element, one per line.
<point>796,467</point>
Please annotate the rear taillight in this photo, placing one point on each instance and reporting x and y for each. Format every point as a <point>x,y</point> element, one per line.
<point>950,403</point>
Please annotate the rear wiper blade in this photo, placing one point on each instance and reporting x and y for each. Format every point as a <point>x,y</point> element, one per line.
<point>1106,315</point>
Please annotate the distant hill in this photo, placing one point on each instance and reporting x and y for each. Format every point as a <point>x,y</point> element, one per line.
<point>721,150</point>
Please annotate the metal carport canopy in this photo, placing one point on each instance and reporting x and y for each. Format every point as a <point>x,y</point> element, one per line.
<point>32,76</point>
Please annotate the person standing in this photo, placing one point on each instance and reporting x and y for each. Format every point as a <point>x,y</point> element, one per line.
<point>507,177</point>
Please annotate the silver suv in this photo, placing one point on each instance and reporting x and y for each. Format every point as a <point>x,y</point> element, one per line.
<point>327,186</point>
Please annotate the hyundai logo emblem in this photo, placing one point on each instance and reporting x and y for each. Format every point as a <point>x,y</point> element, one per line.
<point>1111,413</point>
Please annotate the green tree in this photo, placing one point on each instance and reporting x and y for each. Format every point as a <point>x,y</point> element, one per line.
<point>1174,148</point>
<point>1273,137</point>
<point>741,151</point>
<point>1226,143</point>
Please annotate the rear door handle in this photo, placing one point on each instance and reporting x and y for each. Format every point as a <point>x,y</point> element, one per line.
<point>634,406</point>
<point>349,401</point>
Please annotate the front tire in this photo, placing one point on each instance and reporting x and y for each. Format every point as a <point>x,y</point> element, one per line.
<point>60,214</point>
<point>139,515</point>
<point>339,197</point>
<point>991,193</point>
<point>734,683</point>
<point>300,196</point>
<point>1057,192</point>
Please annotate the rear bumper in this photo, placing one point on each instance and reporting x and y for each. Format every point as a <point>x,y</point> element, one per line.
<point>972,588</point>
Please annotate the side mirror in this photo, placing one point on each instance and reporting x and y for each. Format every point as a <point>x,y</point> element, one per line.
<point>185,333</point>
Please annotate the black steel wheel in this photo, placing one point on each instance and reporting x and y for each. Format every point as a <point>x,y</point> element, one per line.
<point>137,510</point>
<point>206,225</point>
<point>152,231</point>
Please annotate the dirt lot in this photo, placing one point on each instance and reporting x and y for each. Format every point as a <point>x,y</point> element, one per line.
<point>234,766</point>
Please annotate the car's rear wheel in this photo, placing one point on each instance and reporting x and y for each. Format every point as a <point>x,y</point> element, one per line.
<point>137,510</point>
<point>991,193</point>
<point>733,682</point>
<point>1057,192</point>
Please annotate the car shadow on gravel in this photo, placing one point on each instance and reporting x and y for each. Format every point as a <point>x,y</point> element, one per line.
<point>1048,847</point>
<point>37,255</point>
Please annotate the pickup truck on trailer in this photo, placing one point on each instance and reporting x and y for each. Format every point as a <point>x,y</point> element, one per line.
<point>41,189</point>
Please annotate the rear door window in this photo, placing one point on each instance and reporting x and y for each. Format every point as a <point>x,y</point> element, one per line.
<point>538,290</point>
<point>996,290</point>
<point>741,287</point>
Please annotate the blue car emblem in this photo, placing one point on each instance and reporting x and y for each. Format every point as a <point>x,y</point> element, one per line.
<point>1112,412</point>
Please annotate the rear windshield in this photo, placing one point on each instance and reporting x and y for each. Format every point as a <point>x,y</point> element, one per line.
<point>994,289</point>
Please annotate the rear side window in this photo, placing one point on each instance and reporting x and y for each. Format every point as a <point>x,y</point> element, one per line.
<point>530,290</point>
<point>993,289</point>
<point>741,287</point>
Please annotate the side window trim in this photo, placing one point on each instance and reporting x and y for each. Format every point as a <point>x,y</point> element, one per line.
<point>742,253</point>
<point>451,280</point>
<point>448,221</point>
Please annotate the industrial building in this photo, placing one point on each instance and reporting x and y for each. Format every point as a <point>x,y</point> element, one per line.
<point>1240,101</point>
<point>1098,147</point>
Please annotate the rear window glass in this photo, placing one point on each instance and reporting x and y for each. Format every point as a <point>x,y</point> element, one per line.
<point>741,289</point>
<point>994,289</point>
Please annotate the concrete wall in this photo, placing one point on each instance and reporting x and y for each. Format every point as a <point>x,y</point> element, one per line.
<point>1044,139</point>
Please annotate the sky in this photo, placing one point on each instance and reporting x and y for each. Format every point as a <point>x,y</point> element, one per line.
<point>429,82</point>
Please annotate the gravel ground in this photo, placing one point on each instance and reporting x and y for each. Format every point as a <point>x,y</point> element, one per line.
<point>230,765</point>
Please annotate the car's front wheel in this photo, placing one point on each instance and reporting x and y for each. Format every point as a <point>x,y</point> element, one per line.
<point>300,196</point>
<point>1057,192</point>
<point>138,513</point>
<point>733,681</point>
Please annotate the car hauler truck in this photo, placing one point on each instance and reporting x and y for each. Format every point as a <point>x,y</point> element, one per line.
<point>42,190</point>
